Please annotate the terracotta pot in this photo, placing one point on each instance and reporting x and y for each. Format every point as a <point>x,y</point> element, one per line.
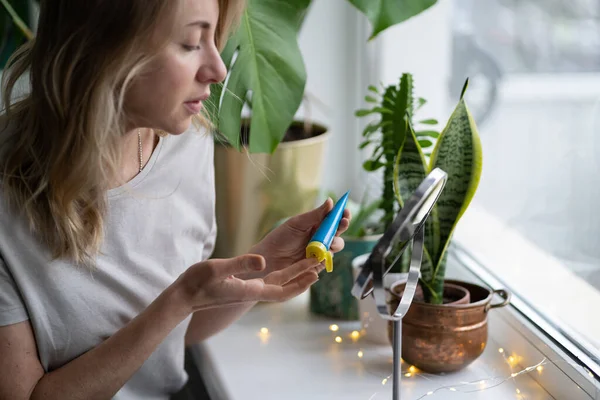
<point>450,336</point>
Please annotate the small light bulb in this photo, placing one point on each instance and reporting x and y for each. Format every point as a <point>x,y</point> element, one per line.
<point>360,354</point>
<point>338,339</point>
<point>500,350</point>
<point>384,381</point>
<point>355,335</point>
<point>539,368</point>
<point>412,369</point>
<point>518,391</point>
<point>334,328</point>
<point>429,393</point>
<point>453,389</point>
<point>408,374</point>
<point>264,331</point>
<point>513,375</point>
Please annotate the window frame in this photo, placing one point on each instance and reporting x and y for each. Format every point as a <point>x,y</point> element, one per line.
<point>530,334</point>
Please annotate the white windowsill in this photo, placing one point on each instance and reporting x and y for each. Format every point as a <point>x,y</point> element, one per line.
<point>299,359</point>
<point>543,281</point>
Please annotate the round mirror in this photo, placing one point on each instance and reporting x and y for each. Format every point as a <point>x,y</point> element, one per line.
<point>409,222</point>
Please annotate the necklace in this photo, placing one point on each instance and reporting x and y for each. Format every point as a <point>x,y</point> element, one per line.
<point>140,149</point>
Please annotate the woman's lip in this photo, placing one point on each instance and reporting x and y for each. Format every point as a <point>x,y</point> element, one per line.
<point>193,106</point>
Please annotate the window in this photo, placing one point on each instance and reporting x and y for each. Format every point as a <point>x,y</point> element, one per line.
<point>534,70</point>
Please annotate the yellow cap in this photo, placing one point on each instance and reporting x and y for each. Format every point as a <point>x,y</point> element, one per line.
<point>319,251</point>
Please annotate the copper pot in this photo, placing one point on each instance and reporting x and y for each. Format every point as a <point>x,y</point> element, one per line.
<point>446,337</point>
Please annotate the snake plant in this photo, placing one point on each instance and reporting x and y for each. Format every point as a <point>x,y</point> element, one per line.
<point>406,156</point>
<point>458,153</point>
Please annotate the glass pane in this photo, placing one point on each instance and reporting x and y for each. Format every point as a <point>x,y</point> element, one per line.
<point>535,94</point>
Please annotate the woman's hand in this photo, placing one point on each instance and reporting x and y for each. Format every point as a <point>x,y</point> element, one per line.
<point>286,244</point>
<point>214,283</point>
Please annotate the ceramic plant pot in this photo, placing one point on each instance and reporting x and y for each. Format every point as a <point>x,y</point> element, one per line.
<point>331,295</point>
<point>450,336</point>
<point>255,191</point>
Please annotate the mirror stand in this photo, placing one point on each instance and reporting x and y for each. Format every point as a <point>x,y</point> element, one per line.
<point>408,228</point>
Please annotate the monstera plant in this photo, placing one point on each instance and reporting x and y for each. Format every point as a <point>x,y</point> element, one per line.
<point>406,157</point>
<point>266,67</point>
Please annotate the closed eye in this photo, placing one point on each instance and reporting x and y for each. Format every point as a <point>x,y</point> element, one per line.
<point>190,48</point>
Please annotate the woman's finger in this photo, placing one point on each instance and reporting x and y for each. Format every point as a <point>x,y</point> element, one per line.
<point>286,275</point>
<point>292,289</point>
<point>337,244</point>
<point>222,268</point>
<point>343,226</point>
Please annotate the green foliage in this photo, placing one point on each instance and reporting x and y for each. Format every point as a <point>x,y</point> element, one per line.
<point>14,16</point>
<point>405,157</point>
<point>266,67</point>
<point>458,153</point>
<point>269,67</point>
<point>395,105</point>
<point>384,13</point>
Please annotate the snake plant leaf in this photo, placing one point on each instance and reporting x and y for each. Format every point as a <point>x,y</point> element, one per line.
<point>410,170</point>
<point>458,153</point>
<point>432,279</point>
<point>410,167</point>
<point>384,13</point>
<point>268,67</point>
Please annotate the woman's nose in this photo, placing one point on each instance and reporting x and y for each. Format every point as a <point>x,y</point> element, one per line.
<point>213,70</point>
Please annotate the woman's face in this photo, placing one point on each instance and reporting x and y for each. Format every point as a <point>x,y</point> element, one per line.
<point>173,87</point>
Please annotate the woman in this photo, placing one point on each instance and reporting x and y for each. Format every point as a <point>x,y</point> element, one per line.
<point>106,223</point>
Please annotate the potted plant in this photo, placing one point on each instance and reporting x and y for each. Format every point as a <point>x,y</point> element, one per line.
<point>445,328</point>
<point>287,152</point>
<point>331,295</point>
<point>271,157</point>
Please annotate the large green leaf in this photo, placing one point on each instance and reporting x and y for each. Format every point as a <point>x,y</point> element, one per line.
<point>384,13</point>
<point>410,170</point>
<point>458,153</point>
<point>264,62</point>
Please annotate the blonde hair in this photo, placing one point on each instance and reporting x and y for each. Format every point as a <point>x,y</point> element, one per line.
<point>63,149</point>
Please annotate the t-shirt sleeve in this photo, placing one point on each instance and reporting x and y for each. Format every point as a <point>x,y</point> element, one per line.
<point>12,308</point>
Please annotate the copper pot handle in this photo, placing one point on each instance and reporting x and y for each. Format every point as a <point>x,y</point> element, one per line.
<point>505,294</point>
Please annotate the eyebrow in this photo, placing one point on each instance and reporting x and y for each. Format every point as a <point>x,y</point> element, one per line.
<point>201,24</point>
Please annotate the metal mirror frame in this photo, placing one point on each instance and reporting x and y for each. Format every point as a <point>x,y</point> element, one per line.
<point>372,272</point>
<point>405,231</point>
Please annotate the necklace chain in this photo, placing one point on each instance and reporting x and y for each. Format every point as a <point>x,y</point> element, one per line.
<point>140,153</point>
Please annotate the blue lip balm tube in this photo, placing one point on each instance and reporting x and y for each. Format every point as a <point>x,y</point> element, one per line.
<point>319,245</point>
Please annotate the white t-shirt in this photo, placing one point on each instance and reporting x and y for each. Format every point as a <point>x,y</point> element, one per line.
<point>157,226</point>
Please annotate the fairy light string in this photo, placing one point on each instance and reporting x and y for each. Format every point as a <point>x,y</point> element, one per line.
<point>410,371</point>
